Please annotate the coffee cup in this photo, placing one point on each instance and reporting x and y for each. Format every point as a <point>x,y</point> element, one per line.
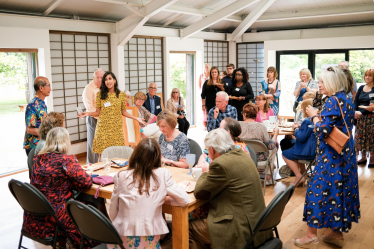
<point>196,173</point>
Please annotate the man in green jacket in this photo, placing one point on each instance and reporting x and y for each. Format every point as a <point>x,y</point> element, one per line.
<point>233,187</point>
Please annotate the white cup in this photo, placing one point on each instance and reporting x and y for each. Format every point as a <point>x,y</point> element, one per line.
<point>196,173</point>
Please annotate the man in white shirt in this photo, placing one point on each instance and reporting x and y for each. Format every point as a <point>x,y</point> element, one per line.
<point>89,100</point>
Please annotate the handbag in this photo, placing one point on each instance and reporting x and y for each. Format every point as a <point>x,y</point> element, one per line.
<point>102,181</point>
<point>337,138</point>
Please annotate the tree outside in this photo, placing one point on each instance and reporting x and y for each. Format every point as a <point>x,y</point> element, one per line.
<point>178,73</point>
<point>360,61</point>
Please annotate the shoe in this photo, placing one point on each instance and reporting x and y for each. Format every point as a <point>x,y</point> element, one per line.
<point>371,165</point>
<point>362,162</point>
<point>333,240</point>
<point>307,243</point>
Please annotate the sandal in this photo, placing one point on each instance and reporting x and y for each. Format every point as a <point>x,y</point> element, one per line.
<point>333,240</point>
<point>307,243</point>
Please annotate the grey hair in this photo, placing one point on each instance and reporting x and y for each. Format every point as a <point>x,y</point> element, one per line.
<point>220,140</point>
<point>97,70</point>
<point>57,141</point>
<point>346,64</point>
<point>334,81</point>
<point>149,85</point>
<point>223,94</point>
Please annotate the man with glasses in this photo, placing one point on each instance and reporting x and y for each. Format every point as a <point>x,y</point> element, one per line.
<point>153,102</point>
<point>89,101</point>
<point>36,110</point>
<point>228,78</point>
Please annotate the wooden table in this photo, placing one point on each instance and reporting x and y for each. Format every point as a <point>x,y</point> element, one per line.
<point>180,214</point>
<point>282,131</point>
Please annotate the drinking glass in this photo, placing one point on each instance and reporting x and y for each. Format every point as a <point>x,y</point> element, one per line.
<point>281,120</point>
<point>80,110</point>
<point>106,165</point>
<point>90,170</point>
<point>190,158</point>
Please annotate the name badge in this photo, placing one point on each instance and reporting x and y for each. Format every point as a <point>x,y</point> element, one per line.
<point>227,84</point>
<point>170,147</point>
<point>371,95</point>
<point>158,107</point>
<point>237,89</point>
<point>107,104</point>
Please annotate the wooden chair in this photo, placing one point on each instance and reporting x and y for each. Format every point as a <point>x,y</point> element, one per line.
<point>131,129</point>
<point>288,118</point>
<point>162,100</point>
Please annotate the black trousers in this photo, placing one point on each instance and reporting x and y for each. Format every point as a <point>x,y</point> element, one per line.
<point>183,124</point>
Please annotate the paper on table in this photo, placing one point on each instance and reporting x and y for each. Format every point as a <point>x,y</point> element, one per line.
<point>190,188</point>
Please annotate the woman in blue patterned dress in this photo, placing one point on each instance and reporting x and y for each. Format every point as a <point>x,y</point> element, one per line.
<point>332,199</point>
<point>271,88</point>
<point>174,144</point>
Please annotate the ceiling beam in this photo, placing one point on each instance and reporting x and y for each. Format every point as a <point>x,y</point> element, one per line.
<point>128,26</point>
<point>313,13</point>
<point>216,17</point>
<point>172,19</point>
<point>251,18</point>
<point>52,6</point>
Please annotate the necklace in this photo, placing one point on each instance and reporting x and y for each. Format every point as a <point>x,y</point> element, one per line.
<point>170,136</point>
<point>271,82</point>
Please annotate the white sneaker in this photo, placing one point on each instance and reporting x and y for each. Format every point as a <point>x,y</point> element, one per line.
<point>269,182</point>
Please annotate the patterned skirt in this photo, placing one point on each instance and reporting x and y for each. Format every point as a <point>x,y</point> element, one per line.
<point>364,138</point>
<point>137,242</point>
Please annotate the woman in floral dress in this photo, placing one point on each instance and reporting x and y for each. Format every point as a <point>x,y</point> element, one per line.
<point>271,88</point>
<point>332,199</point>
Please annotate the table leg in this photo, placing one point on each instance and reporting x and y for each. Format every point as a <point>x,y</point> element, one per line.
<point>180,227</point>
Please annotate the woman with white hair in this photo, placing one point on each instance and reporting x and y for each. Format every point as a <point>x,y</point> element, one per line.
<point>306,84</point>
<point>332,199</point>
<point>56,174</point>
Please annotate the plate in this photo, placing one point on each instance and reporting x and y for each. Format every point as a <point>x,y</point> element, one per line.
<point>287,129</point>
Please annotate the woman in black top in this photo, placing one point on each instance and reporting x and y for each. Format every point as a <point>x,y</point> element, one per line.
<point>210,88</point>
<point>241,91</point>
<point>364,138</point>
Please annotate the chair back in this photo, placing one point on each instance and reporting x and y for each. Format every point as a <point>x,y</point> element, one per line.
<point>117,151</point>
<point>195,149</point>
<point>30,198</point>
<point>253,154</point>
<point>30,159</point>
<point>92,224</point>
<point>272,214</point>
<point>162,100</point>
<point>257,145</point>
<point>131,128</point>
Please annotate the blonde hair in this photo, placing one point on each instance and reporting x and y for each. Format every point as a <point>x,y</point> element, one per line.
<point>139,95</point>
<point>57,141</point>
<point>304,105</point>
<point>171,94</point>
<point>307,72</point>
<point>169,118</point>
<point>334,80</point>
<point>209,67</point>
<point>309,95</point>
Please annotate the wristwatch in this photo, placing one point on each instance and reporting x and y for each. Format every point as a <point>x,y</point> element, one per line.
<point>171,162</point>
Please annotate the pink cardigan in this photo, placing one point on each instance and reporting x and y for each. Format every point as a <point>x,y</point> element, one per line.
<point>133,214</point>
<point>268,114</point>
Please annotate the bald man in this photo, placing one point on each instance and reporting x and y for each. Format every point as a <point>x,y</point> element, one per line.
<point>36,110</point>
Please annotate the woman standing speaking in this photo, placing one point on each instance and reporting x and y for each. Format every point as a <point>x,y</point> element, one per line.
<point>110,106</point>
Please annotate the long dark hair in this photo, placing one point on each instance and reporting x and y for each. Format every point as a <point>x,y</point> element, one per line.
<point>144,159</point>
<point>245,76</point>
<point>104,89</point>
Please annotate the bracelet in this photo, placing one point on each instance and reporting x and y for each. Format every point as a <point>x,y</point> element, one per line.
<point>315,116</point>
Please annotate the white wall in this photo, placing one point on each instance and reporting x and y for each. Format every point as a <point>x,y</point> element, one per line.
<point>190,45</point>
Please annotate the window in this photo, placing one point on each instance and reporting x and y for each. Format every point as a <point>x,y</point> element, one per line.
<point>251,57</point>
<point>74,57</point>
<point>143,64</point>
<point>216,53</point>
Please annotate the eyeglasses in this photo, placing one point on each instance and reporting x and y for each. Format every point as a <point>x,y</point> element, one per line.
<point>175,92</point>
<point>239,74</point>
<point>47,85</point>
<point>153,88</point>
<point>331,69</point>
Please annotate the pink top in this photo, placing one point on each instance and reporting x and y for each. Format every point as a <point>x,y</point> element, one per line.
<point>261,118</point>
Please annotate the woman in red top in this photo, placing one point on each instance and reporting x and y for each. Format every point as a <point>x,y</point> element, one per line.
<point>56,175</point>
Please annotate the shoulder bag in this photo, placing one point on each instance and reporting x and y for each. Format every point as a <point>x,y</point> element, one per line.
<point>337,138</point>
<point>102,181</point>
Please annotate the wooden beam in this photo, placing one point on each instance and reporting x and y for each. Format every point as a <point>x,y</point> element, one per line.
<point>173,18</point>
<point>251,18</point>
<point>52,6</point>
<point>216,17</point>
